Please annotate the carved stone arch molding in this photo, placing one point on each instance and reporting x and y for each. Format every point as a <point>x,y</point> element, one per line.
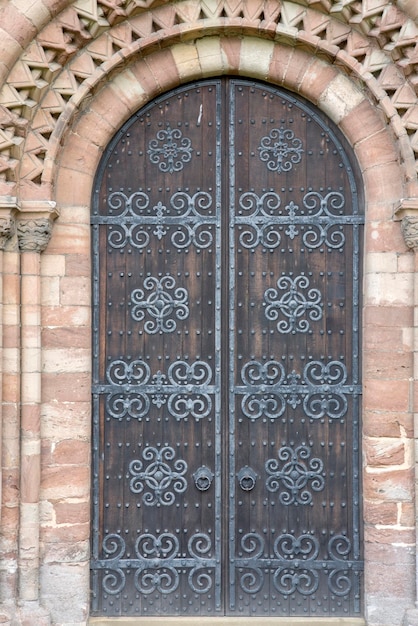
<point>73,73</point>
<point>56,52</point>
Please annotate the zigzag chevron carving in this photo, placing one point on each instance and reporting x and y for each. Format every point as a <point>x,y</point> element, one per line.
<point>373,40</point>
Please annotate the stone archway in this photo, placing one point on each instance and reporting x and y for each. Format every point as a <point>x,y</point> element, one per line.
<point>341,99</point>
<point>91,66</point>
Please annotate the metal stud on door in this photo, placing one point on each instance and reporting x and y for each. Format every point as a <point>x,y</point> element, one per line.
<point>226,377</point>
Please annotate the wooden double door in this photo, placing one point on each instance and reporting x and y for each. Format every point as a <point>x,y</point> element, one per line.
<point>226,230</point>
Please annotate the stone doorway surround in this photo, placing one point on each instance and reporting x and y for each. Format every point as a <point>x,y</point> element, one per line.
<point>72,73</point>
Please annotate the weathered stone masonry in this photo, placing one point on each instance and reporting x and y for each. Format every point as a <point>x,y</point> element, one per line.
<point>71,74</point>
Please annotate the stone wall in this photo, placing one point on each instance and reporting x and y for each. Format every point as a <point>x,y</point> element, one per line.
<point>72,74</point>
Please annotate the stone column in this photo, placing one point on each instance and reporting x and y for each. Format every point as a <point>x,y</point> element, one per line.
<point>407,212</point>
<point>8,208</point>
<point>34,228</point>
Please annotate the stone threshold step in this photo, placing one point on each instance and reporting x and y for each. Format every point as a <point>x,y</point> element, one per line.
<point>225,621</point>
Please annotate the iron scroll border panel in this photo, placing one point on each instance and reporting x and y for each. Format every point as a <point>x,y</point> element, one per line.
<point>162,563</point>
<point>282,389</point>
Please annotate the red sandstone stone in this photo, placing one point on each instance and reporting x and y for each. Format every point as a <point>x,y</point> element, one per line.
<point>66,387</point>
<point>72,512</point>
<point>65,481</point>
<point>67,452</point>
<point>16,24</point>
<point>11,487</point>
<point>64,552</point>
<point>11,289</point>
<point>383,452</point>
<point>68,533</point>
<point>67,418</point>
<point>11,388</point>
<point>390,536</point>
<point>387,316</point>
<point>30,419</point>
<point>9,522</point>
<point>407,515</point>
<point>281,60</point>
<point>66,337</point>
<point>75,289</point>
<point>377,148</point>
<point>80,153</point>
<point>386,424</point>
<point>70,238</point>
<point>103,129</point>
<point>73,188</point>
<point>163,69</point>
<point>66,316</point>
<point>11,336</point>
<point>297,70</point>
<point>384,237</point>
<point>383,184</point>
<point>383,364</point>
<point>362,122</point>
<point>386,395</point>
<point>30,473</point>
<point>390,486</point>
<point>77,265</point>
<point>389,563</point>
<point>384,513</point>
<point>231,48</point>
<point>316,80</point>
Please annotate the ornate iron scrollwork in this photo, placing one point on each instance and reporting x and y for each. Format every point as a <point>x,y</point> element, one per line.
<point>157,563</point>
<point>203,478</point>
<point>293,304</point>
<point>322,388</point>
<point>296,565</point>
<point>162,302</point>
<point>328,399</point>
<point>160,479</point>
<point>170,150</point>
<point>247,478</point>
<point>132,221</point>
<point>281,150</point>
<point>185,389</point>
<point>130,405</point>
<point>294,475</point>
<point>156,573</point>
<point>255,212</point>
<point>114,578</point>
<point>320,220</point>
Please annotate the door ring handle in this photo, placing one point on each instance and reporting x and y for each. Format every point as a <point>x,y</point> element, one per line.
<point>203,478</point>
<point>247,478</point>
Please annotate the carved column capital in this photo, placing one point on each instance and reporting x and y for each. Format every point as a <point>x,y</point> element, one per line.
<point>8,210</point>
<point>407,212</point>
<point>34,226</point>
<point>409,227</point>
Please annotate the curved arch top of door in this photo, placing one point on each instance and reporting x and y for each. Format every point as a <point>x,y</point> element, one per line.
<point>227,229</point>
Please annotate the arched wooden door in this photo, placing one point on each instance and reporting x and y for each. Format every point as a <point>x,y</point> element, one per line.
<point>226,380</point>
